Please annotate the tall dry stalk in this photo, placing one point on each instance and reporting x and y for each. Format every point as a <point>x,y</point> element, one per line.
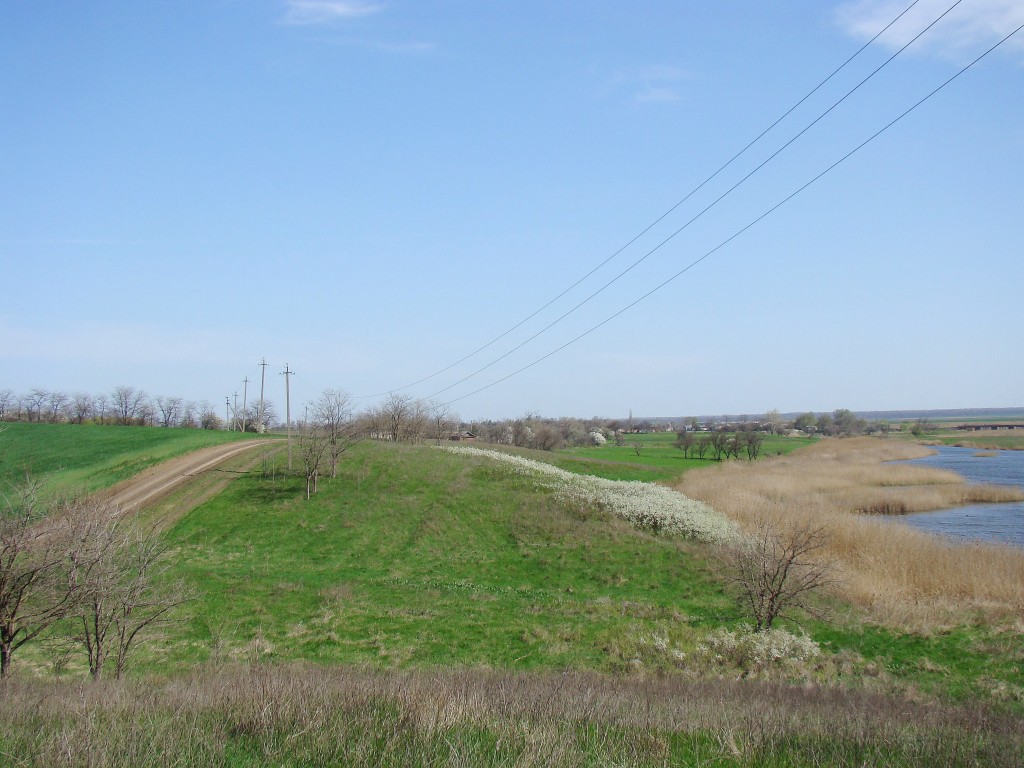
<point>902,575</point>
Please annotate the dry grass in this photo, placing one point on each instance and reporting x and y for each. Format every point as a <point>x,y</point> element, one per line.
<point>303,716</point>
<point>903,576</point>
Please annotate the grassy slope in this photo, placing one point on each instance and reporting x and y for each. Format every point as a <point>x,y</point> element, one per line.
<point>413,556</point>
<point>72,456</point>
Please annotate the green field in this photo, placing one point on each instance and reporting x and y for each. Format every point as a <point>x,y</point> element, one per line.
<point>89,457</point>
<point>456,579</point>
<point>650,457</point>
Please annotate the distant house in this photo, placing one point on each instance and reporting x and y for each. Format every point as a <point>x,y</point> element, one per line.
<point>462,437</point>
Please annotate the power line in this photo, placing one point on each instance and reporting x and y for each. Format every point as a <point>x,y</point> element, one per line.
<point>725,242</point>
<point>707,208</point>
<point>658,220</point>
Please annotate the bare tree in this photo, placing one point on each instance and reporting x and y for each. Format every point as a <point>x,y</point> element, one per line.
<point>684,441</point>
<point>126,402</point>
<point>752,443</point>
<point>442,420</point>
<point>777,570</point>
<point>81,407</point>
<point>312,445</point>
<point>189,414</point>
<point>400,417</point>
<point>56,403</point>
<point>121,589</point>
<point>333,413</point>
<point>6,400</point>
<point>33,556</point>
<point>34,402</point>
<point>170,410</point>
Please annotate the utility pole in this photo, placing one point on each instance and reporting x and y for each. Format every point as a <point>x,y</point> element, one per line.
<point>227,412</point>
<point>263,377</point>
<point>245,392</point>
<point>234,415</point>
<point>288,411</point>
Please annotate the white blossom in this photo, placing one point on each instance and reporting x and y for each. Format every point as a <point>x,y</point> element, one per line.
<point>646,505</point>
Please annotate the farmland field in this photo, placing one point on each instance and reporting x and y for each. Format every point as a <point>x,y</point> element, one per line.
<point>89,457</point>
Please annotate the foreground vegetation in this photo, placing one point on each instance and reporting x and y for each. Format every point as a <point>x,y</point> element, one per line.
<point>306,716</point>
<point>431,608</point>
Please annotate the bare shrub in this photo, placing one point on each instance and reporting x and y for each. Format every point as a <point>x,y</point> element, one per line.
<point>778,570</point>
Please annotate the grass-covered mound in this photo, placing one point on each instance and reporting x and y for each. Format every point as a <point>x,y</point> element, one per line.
<point>416,556</point>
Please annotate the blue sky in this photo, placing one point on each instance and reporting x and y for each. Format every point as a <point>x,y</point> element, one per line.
<point>369,191</point>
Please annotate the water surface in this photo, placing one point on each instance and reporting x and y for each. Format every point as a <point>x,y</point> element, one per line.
<point>989,522</point>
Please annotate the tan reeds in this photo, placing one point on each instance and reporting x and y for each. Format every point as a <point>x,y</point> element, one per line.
<point>902,575</point>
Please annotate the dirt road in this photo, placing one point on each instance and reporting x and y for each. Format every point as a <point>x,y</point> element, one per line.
<point>163,478</point>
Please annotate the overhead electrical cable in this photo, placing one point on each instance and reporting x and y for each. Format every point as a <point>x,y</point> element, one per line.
<point>732,237</point>
<point>707,208</point>
<point>658,220</point>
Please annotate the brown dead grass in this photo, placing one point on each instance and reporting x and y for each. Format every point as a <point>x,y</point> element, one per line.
<point>902,576</point>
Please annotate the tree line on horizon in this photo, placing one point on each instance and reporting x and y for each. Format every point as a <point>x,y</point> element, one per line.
<point>128,406</point>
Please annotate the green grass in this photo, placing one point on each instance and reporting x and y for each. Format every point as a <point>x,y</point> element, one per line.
<point>90,457</point>
<point>429,608</point>
<point>650,457</point>
<point>413,556</point>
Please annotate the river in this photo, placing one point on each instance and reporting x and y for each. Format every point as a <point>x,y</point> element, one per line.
<point>990,522</point>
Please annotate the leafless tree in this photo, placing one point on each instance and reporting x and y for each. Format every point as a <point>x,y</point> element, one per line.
<point>719,441</point>
<point>126,402</point>
<point>55,405</point>
<point>34,402</point>
<point>121,589</point>
<point>81,407</point>
<point>208,418</point>
<point>102,406</point>
<point>684,442</point>
<point>189,414</point>
<point>442,420</point>
<point>778,570</point>
<point>312,445</point>
<point>6,400</point>
<point>34,589</point>
<point>752,443</point>
<point>170,410</point>
<point>400,417</point>
<point>333,413</point>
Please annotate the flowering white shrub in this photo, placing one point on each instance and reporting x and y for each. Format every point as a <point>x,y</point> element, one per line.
<point>597,438</point>
<point>646,505</point>
<point>755,650</point>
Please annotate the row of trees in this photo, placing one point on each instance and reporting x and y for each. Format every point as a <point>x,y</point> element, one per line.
<point>82,573</point>
<point>719,444</point>
<point>126,406</point>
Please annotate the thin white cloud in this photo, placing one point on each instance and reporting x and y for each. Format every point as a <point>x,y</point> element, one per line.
<point>657,84</point>
<point>969,26</point>
<point>312,12</point>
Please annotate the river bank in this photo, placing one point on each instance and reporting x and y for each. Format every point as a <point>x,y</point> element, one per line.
<point>902,576</point>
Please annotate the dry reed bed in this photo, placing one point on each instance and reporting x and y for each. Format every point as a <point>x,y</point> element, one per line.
<point>902,575</point>
<point>300,715</point>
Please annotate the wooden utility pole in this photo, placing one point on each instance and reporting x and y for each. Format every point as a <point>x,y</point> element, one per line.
<point>227,412</point>
<point>263,378</point>
<point>288,412</point>
<point>245,392</point>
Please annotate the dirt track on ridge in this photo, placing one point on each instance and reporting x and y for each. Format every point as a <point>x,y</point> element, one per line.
<point>158,480</point>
